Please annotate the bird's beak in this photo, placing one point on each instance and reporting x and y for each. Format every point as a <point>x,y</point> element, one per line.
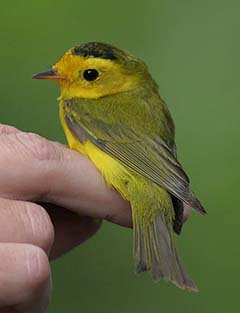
<point>51,74</point>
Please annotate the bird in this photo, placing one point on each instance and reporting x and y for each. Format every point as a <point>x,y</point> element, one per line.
<point>111,112</point>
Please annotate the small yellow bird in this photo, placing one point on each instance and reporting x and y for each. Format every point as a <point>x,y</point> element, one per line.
<point>112,113</point>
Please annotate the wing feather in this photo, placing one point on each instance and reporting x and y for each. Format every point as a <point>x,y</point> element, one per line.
<point>151,158</point>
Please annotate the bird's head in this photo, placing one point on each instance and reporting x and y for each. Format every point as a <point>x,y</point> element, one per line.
<point>94,70</point>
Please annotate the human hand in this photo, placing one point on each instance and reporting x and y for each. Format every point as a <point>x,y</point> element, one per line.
<point>35,170</point>
<point>50,198</point>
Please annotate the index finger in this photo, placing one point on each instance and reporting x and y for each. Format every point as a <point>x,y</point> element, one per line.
<point>33,168</point>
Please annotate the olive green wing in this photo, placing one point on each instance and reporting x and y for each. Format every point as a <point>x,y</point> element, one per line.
<point>151,158</point>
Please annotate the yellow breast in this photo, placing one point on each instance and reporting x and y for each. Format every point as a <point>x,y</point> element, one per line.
<point>115,174</point>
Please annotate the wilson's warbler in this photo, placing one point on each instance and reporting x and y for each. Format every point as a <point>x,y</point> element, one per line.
<point>111,112</point>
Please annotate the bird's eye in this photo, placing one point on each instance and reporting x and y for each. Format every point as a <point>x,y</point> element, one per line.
<point>90,75</point>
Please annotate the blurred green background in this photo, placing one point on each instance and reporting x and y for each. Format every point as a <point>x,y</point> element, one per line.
<point>192,49</point>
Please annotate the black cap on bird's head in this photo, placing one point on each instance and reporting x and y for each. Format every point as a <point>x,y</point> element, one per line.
<point>105,51</point>
<point>97,50</point>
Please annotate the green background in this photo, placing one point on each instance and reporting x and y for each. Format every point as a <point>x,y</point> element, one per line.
<point>192,49</point>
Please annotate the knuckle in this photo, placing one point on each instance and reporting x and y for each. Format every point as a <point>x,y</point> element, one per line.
<point>39,224</point>
<point>38,147</point>
<point>37,268</point>
<point>6,129</point>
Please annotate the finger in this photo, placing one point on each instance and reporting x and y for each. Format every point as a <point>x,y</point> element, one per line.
<point>7,310</point>
<point>70,229</point>
<point>6,129</point>
<point>52,173</point>
<point>25,222</point>
<point>25,278</point>
<point>84,190</point>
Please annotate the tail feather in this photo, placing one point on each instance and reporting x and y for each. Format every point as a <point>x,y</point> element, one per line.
<point>155,251</point>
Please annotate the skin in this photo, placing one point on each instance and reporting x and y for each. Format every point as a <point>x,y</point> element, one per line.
<point>33,232</point>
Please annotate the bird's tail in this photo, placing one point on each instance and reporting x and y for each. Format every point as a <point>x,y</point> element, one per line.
<point>154,251</point>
